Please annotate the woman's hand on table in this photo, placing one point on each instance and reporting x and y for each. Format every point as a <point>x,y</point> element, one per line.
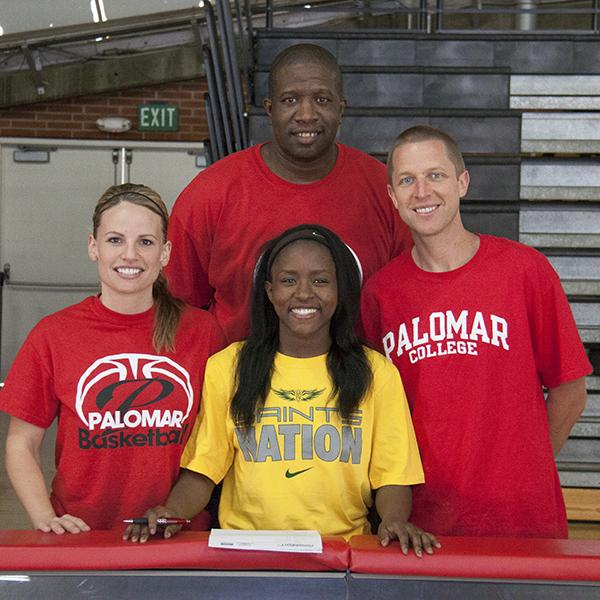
<point>141,533</point>
<point>408,535</point>
<point>63,524</point>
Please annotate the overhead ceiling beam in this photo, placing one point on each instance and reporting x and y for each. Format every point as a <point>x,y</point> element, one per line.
<point>113,27</point>
<point>35,67</point>
<point>96,76</point>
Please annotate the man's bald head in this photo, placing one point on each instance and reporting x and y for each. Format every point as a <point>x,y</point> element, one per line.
<point>302,54</point>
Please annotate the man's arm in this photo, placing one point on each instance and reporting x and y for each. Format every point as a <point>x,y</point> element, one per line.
<point>564,406</point>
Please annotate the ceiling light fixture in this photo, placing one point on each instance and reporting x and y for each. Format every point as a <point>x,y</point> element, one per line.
<point>98,12</point>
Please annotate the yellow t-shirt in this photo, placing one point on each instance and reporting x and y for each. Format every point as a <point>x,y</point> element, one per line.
<point>300,466</point>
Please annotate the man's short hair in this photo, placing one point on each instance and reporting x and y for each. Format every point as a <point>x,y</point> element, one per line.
<point>305,54</point>
<point>426,133</point>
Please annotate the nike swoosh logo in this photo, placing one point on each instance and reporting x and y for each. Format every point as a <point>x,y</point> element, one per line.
<point>289,474</point>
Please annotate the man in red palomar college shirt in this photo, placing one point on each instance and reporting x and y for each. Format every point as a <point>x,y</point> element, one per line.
<point>225,215</point>
<point>477,325</point>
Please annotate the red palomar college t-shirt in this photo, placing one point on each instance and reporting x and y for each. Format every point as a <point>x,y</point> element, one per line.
<point>474,347</point>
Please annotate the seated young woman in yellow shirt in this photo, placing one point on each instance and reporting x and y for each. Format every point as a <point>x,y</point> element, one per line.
<point>301,422</point>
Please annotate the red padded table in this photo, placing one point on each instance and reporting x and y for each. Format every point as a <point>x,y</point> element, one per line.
<point>478,568</point>
<point>494,558</point>
<point>99,564</point>
<point>104,550</point>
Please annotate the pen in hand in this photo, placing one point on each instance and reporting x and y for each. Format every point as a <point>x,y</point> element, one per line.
<point>159,521</point>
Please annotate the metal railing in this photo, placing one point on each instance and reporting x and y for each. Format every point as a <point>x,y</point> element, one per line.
<point>439,16</point>
<point>224,102</point>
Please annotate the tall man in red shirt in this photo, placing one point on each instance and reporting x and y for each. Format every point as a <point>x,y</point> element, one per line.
<point>476,325</point>
<point>225,215</point>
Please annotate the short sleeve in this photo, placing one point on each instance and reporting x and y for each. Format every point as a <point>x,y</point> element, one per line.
<point>209,449</point>
<point>559,353</point>
<point>395,456</point>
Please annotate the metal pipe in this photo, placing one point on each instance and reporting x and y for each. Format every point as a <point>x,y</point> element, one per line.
<point>115,160</point>
<point>58,286</point>
<point>226,44</point>
<point>4,274</point>
<point>218,142</point>
<point>439,15</point>
<point>122,164</point>
<point>213,41</point>
<point>249,51</point>
<point>238,96</point>
<point>526,20</point>
<point>212,128</point>
<point>422,17</point>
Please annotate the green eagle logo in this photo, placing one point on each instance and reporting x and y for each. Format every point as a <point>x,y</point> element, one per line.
<point>298,395</point>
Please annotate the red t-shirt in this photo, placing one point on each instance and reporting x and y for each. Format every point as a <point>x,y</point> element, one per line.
<point>124,411</point>
<point>226,214</point>
<point>474,347</point>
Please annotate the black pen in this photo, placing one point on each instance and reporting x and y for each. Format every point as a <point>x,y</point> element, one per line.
<point>159,521</point>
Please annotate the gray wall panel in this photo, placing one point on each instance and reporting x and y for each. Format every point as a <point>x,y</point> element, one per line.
<point>548,56</point>
<point>455,53</point>
<point>375,134</point>
<point>261,85</point>
<point>397,90</point>
<point>418,90</point>
<point>268,49</point>
<point>502,223</point>
<point>579,450</point>
<point>377,52</point>
<point>584,268</point>
<point>586,57</point>
<point>493,182</point>
<point>483,135</point>
<point>466,90</point>
<point>548,219</point>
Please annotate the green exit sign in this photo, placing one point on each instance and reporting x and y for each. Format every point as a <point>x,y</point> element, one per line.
<point>157,117</point>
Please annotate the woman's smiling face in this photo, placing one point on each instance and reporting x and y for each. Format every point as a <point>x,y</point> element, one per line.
<point>303,292</point>
<point>130,250</point>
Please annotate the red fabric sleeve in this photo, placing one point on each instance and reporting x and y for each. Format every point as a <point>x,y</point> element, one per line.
<point>559,354</point>
<point>186,272</point>
<point>370,318</point>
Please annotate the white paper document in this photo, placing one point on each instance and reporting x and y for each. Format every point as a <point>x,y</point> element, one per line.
<point>274,541</point>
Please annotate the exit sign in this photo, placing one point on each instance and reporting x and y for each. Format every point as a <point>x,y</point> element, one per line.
<point>157,117</point>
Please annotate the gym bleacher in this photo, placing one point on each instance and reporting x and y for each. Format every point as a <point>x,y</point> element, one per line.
<point>521,105</point>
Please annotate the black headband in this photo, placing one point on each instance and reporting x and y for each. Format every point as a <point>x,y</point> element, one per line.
<point>307,234</point>
<point>286,240</point>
